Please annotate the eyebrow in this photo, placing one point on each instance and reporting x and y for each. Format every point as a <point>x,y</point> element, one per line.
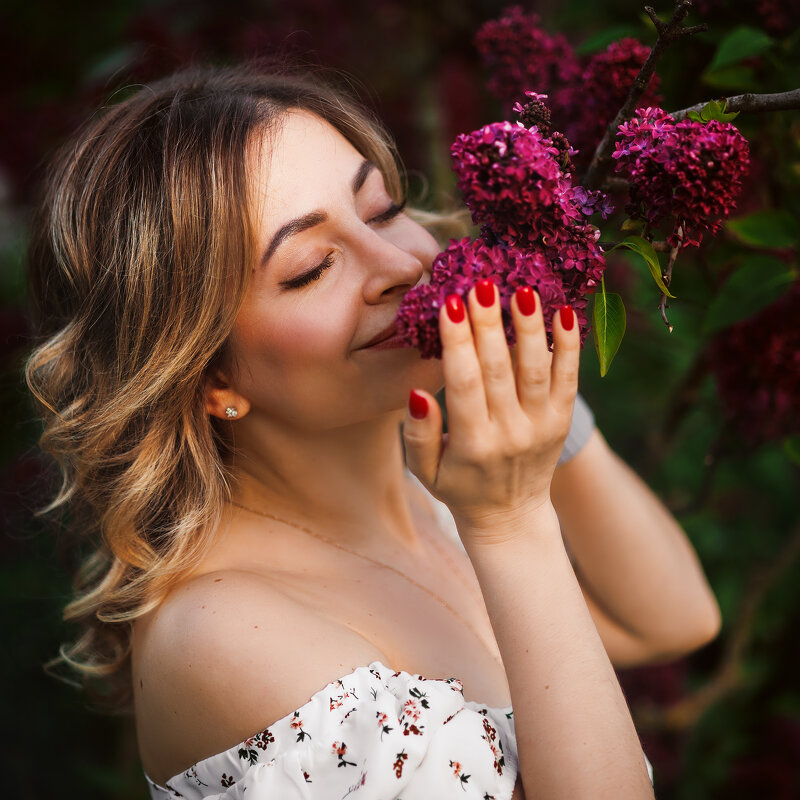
<point>314,217</point>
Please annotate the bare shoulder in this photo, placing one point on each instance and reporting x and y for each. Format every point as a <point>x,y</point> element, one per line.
<point>225,655</point>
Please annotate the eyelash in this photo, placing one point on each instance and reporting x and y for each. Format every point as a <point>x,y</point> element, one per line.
<point>327,262</point>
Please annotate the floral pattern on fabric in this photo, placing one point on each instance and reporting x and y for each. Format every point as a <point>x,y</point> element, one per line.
<point>375,734</point>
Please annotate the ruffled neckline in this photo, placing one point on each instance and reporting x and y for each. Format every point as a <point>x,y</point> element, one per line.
<point>375,665</point>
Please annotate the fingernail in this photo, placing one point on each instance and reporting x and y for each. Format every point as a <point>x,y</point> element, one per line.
<point>455,307</point>
<point>484,291</point>
<point>417,405</point>
<point>526,300</point>
<point>567,317</point>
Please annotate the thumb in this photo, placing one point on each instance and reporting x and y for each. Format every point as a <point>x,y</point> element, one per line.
<point>422,436</point>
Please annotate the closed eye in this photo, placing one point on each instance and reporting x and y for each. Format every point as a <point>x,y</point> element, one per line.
<point>390,213</point>
<point>315,274</point>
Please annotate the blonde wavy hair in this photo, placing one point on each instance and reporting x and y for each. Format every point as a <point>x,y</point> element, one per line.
<point>139,260</point>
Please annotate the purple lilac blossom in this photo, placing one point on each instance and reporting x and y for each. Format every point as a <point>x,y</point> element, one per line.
<point>588,105</point>
<point>689,172</point>
<point>460,266</point>
<point>520,55</point>
<point>512,183</point>
<point>535,230</point>
<point>534,112</point>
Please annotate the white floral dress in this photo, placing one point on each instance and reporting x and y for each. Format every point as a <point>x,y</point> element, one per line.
<point>374,734</point>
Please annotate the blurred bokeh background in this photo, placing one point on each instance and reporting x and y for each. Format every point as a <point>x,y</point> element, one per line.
<point>724,722</point>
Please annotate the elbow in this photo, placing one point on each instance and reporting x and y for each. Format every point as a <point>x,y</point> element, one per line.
<point>709,626</point>
<point>681,637</point>
<point>705,632</point>
<point>708,622</point>
<point>702,629</point>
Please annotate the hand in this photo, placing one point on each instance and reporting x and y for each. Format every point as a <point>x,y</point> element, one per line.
<point>506,425</point>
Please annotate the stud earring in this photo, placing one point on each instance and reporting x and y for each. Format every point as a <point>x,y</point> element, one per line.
<point>231,412</point>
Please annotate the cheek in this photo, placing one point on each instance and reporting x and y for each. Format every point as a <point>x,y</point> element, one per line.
<point>290,340</point>
<point>286,371</point>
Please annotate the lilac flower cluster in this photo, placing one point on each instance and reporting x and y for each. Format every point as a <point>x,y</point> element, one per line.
<point>510,178</point>
<point>756,364</point>
<point>535,231</point>
<point>520,55</point>
<point>464,263</point>
<point>588,105</point>
<point>585,93</point>
<point>688,172</point>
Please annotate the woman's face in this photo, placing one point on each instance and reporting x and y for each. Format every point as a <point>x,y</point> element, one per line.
<point>334,260</point>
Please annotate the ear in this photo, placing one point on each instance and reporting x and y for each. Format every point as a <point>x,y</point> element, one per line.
<point>220,396</point>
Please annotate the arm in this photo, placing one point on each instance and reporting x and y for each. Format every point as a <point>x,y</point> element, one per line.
<point>642,580</point>
<point>575,735</point>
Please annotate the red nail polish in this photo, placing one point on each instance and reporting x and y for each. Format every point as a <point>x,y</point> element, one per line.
<point>484,291</point>
<point>567,317</point>
<point>526,300</point>
<point>417,405</point>
<point>455,307</point>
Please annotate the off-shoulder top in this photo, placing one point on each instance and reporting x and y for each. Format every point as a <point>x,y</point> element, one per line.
<point>374,734</point>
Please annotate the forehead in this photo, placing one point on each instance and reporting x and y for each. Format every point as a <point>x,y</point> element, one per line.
<point>298,165</point>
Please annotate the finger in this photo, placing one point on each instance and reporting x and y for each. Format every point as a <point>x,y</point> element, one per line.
<point>566,358</point>
<point>422,436</point>
<point>533,356</point>
<point>492,349</point>
<point>464,395</point>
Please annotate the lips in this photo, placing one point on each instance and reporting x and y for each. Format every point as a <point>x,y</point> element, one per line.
<point>386,333</point>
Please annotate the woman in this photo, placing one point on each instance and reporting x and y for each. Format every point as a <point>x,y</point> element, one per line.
<point>216,270</point>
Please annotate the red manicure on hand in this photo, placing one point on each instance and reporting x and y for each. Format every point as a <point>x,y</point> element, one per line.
<point>455,307</point>
<point>567,317</point>
<point>526,300</point>
<point>417,405</point>
<point>484,291</point>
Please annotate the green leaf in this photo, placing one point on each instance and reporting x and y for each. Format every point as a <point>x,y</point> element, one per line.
<point>771,228</point>
<point>758,282</point>
<point>608,324</point>
<point>632,225</point>
<point>791,447</point>
<point>602,39</point>
<point>713,109</point>
<point>643,248</point>
<point>741,43</point>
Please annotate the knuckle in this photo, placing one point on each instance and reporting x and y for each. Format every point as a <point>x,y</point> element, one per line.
<point>495,371</point>
<point>518,444</point>
<point>532,381</point>
<point>476,451</point>
<point>414,437</point>
<point>466,382</point>
<point>568,375</point>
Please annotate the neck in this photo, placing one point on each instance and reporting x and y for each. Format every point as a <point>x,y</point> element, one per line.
<point>346,483</point>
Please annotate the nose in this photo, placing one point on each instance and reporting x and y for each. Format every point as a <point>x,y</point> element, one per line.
<point>393,265</point>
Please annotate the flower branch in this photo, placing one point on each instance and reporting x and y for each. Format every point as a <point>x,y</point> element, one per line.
<point>667,33</point>
<point>667,277</point>
<point>750,104</point>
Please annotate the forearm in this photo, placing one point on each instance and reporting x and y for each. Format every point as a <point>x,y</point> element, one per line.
<point>574,732</point>
<point>630,553</point>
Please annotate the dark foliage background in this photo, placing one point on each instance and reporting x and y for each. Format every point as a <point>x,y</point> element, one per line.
<point>724,722</point>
